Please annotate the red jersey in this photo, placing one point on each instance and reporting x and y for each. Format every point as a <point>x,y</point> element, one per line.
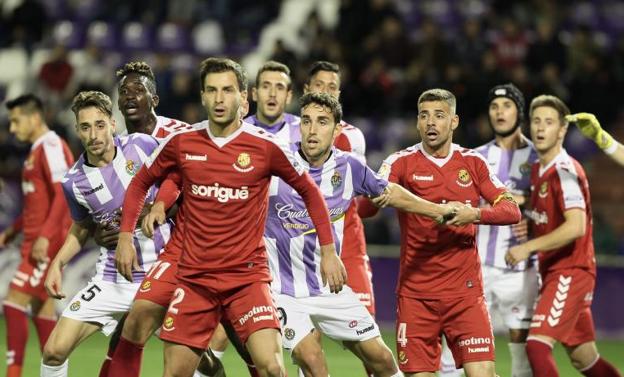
<point>351,139</point>
<point>555,188</point>
<point>225,186</point>
<point>45,212</point>
<point>439,261</point>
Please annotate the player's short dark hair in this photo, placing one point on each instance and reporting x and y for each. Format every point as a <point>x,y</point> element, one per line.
<point>92,98</point>
<point>28,103</point>
<point>219,65</point>
<point>546,100</point>
<point>325,100</point>
<point>142,69</point>
<point>274,66</point>
<point>323,65</point>
<point>439,95</point>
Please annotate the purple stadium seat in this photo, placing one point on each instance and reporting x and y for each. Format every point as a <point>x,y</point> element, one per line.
<point>136,36</point>
<point>102,34</point>
<point>208,37</point>
<point>172,37</point>
<point>69,34</point>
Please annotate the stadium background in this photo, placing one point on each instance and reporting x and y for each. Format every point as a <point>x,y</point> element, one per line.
<point>389,51</point>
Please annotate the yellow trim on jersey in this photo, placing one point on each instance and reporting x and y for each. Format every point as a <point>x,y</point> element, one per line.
<point>335,219</point>
<point>504,196</point>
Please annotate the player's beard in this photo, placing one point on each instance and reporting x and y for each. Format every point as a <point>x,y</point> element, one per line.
<point>227,120</point>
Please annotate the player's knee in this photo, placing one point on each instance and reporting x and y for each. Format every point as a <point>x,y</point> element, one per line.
<point>311,359</point>
<point>136,328</point>
<point>271,368</point>
<point>54,354</point>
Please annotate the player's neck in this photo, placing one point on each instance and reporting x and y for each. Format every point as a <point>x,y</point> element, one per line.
<point>104,159</point>
<point>38,132</point>
<point>316,162</point>
<point>219,130</point>
<point>143,125</point>
<point>269,122</point>
<point>441,151</point>
<point>511,142</point>
<point>549,155</point>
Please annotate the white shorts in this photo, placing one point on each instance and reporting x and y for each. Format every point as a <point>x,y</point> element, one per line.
<point>102,302</point>
<point>512,294</point>
<point>341,317</point>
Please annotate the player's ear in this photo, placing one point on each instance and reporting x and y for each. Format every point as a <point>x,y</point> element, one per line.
<point>454,122</point>
<point>155,100</point>
<point>306,88</point>
<point>254,94</point>
<point>289,96</point>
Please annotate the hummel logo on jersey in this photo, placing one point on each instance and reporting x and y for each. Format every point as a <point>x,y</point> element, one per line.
<point>423,177</point>
<point>194,157</point>
<point>94,190</point>
<point>223,194</point>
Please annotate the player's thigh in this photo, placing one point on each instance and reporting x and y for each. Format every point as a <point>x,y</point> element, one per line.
<point>372,351</point>
<point>143,319</point>
<point>219,340</point>
<point>418,332</point>
<point>467,327</point>
<point>45,309</point>
<point>251,308</point>
<point>265,347</point>
<point>192,316</point>
<point>101,302</point>
<point>479,369</point>
<point>342,316</point>
<point>66,335</point>
<point>180,360</point>
<point>562,310</point>
<point>18,298</point>
<point>517,293</point>
<point>308,354</point>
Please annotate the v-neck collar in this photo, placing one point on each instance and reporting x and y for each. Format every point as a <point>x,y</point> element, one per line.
<point>221,141</point>
<point>440,162</point>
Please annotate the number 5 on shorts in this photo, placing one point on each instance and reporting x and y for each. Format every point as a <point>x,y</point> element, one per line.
<point>178,296</point>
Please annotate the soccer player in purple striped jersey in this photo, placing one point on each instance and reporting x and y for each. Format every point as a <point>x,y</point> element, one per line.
<point>95,188</point>
<point>509,290</point>
<point>304,305</point>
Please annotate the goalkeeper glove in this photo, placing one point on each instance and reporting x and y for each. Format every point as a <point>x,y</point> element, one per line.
<point>590,127</point>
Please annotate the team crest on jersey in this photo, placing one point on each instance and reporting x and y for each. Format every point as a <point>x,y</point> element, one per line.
<point>75,306</point>
<point>146,286</point>
<point>289,333</point>
<point>402,357</point>
<point>131,167</point>
<point>29,163</point>
<point>543,191</point>
<point>243,163</point>
<point>336,179</point>
<point>525,168</point>
<point>168,324</point>
<point>463,178</point>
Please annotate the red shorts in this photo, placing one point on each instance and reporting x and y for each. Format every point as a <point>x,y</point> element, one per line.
<point>563,309</point>
<point>359,279</point>
<point>464,322</point>
<point>159,283</point>
<point>30,278</point>
<point>195,311</point>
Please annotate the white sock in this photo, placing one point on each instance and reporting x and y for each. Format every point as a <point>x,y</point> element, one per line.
<point>218,354</point>
<point>520,366</point>
<point>199,374</point>
<point>447,368</point>
<point>397,374</point>
<point>52,371</point>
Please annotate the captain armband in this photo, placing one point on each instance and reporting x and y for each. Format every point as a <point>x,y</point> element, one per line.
<point>504,196</point>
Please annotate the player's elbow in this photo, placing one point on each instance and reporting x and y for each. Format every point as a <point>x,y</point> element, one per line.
<point>578,229</point>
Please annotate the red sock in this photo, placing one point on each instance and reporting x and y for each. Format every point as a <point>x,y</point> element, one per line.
<point>126,359</point>
<point>253,372</point>
<point>541,359</point>
<point>44,328</point>
<point>17,335</point>
<point>601,368</point>
<point>106,365</point>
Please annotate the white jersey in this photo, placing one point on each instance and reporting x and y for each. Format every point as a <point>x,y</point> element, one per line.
<point>513,168</point>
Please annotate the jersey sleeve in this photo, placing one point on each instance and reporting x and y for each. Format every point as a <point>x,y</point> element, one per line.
<point>392,169</point>
<point>571,195</point>
<point>283,165</point>
<point>55,162</point>
<point>77,211</point>
<point>145,145</point>
<point>358,143</point>
<point>366,181</point>
<point>490,187</point>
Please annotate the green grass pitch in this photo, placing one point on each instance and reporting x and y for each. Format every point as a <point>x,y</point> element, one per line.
<point>86,360</point>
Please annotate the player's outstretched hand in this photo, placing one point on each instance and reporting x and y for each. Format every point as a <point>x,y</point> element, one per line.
<point>332,270</point>
<point>39,251</point>
<point>382,200</point>
<point>465,214</point>
<point>125,256</point>
<point>517,254</point>
<point>53,281</point>
<point>156,215</point>
<point>106,236</point>
<point>590,127</point>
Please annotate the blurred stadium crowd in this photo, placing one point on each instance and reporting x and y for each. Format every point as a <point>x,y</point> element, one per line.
<point>389,51</point>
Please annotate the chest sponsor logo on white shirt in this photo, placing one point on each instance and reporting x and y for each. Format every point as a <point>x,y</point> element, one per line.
<point>196,157</point>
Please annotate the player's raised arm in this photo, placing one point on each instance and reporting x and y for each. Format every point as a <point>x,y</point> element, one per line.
<point>590,127</point>
<point>76,238</point>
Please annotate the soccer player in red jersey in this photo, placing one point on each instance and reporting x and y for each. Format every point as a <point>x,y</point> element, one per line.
<point>440,288</point>
<point>561,220</point>
<point>223,269</point>
<point>44,223</point>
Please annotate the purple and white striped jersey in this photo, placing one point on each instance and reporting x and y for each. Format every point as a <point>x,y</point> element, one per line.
<point>99,193</point>
<point>288,130</point>
<point>290,238</point>
<point>513,168</point>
